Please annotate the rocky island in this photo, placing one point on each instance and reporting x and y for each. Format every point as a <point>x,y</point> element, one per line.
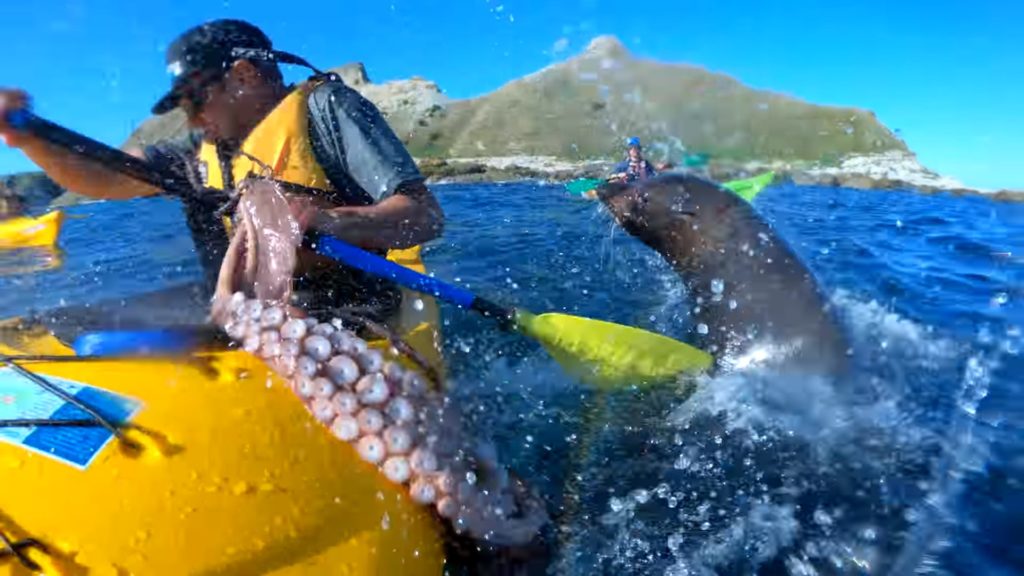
<point>569,120</point>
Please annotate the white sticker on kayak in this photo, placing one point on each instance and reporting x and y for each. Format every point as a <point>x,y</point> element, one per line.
<point>23,399</point>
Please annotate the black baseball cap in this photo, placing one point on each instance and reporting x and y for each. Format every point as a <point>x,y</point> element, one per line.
<point>210,48</point>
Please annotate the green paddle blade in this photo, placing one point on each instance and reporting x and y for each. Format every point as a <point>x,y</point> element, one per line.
<point>748,188</point>
<point>582,185</point>
<point>610,356</point>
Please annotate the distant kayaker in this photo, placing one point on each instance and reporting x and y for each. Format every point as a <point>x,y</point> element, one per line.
<point>318,134</point>
<point>634,167</point>
<point>10,206</point>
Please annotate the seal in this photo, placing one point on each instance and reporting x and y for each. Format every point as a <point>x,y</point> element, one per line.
<point>754,300</point>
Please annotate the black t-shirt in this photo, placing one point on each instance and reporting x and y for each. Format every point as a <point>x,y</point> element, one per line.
<point>364,161</point>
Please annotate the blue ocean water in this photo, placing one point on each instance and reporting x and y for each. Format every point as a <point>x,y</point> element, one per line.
<point>920,471</point>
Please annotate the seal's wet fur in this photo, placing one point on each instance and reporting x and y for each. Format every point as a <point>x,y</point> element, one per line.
<point>749,288</point>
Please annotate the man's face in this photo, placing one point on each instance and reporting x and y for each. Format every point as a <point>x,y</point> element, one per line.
<point>215,106</point>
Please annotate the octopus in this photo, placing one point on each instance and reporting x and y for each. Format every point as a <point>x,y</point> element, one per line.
<point>390,414</point>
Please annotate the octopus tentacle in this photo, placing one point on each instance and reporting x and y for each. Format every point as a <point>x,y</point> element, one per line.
<point>403,347</point>
<point>410,432</point>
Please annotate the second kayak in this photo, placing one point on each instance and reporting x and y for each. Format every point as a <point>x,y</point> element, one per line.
<point>746,188</point>
<point>28,231</point>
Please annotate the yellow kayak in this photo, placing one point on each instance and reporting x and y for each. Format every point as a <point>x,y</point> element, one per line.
<point>232,476</point>
<point>26,231</point>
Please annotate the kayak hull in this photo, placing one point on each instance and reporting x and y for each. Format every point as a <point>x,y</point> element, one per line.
<point>231,474</point>
<point>29,232</point>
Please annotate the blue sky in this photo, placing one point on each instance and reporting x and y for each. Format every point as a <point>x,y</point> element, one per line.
<point>948,74</point>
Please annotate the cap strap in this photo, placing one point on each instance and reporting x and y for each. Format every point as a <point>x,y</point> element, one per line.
<point>272,56</point>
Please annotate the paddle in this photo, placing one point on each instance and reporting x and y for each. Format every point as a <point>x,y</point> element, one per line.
<point>749,188</point>
<point>582,185</point>
<point>600,353</point>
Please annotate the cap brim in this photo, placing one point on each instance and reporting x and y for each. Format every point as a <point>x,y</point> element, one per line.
<point>168,102</point>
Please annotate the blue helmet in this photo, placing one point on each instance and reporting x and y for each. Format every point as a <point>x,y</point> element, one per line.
<point>633,141</point>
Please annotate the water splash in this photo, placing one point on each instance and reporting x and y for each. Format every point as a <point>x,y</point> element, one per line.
<point>764,472</point>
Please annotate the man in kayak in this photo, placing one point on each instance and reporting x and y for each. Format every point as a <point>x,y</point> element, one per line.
<point>634,167</point>
<point>10,206</point>
<point>245,120</point>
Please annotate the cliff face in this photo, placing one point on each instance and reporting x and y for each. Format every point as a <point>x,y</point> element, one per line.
<point>586,106</point>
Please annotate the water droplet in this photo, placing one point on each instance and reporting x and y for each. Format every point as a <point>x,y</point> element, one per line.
<point>1000,298</point>
<point>682,463</point>
<point>674,542</point>
<point>471,477</point>
<point>641,496</point>
<point>616,504</point>
<point>732,304</point>
<point>717,285</point>
<point>673,502</point>
<point>702,328</point>
<point>385,521</point>
<point>417,304</point>
<point>822,518</point>
<point>899,223</point>
<point>705,525</point>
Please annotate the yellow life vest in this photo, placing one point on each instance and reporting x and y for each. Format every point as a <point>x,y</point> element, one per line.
<point>280,141</point>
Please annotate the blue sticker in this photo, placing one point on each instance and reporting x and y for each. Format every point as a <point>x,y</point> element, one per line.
<point>21,398</point>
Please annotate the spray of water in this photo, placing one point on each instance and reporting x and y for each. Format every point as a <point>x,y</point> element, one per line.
<point>762,472</point>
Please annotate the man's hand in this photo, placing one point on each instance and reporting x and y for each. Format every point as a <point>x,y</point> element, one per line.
<point>304,209</point>
<point>11,99</point>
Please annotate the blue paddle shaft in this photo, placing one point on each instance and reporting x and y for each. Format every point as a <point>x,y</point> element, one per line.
<point>382,267</point>
<point>18,119</point>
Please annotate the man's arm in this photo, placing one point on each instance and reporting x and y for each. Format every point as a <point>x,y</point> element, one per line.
<point>408,217</point>
<point>361,154</point>
<point>81,175</point>
<point>70,171</point>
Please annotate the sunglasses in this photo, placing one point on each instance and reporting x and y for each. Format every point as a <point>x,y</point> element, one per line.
<point>196,91</point>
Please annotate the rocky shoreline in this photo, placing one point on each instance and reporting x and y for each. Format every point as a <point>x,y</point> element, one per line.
<point>885,171</point>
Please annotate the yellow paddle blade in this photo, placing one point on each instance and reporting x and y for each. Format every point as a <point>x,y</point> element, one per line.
<point>608,355</point>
